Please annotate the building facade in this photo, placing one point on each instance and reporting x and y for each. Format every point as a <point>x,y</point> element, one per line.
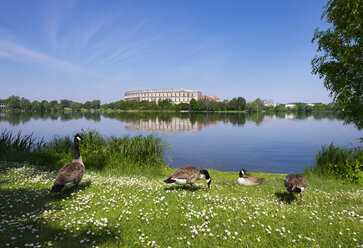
<point>174,95</point>
<point>269,102</point>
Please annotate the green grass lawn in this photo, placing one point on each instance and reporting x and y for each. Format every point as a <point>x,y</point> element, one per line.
<point>115,211</point>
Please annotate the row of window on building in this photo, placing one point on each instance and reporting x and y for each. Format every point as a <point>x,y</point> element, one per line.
<point>175,100</point>
<point>161,94</point>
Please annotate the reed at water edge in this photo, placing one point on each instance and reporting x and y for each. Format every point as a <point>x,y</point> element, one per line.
<point>116,155</point>
<point>344,163</point>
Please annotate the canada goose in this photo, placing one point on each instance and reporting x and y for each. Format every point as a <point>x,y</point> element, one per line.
<point>249,180</point>
<point>296,183</point>
<point>71,172</point>
<point>188,174</point>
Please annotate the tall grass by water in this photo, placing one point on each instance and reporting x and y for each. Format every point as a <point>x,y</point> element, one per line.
<point>19,148</point>
<point>345,163</point>
<point>118,155</point>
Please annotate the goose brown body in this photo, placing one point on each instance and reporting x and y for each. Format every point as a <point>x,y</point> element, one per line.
<point>249,180</point>
<point>188,175</point>
<point>296,183</point>
<point>71,172</point>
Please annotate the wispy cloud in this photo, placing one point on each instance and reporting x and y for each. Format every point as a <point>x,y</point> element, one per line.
<point>121,53</point>
<point>16,52</point>
<point>145,47</point>
<point>91,31</point>
<point>112,48</point>
<point>55,15</point>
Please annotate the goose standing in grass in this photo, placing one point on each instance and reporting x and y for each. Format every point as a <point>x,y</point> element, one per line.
<point>188,175</point>
<point>296,183</point>
<point>249,180</point>
<point>71,172</point>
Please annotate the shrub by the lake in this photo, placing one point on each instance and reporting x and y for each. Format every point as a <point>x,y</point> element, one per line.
<point>109,154</point>
<point>345,163</point>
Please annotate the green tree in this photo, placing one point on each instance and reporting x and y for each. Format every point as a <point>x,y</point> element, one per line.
<point>13,103</point>
<point>64,103</point>
<point>280,108</point>
<point>165,104</point>
<point>300,107</point>
<point>340,59</point>
<point>75,106</point>
<point>255,106</point>
<point>36,106</point>
<point>25,104</point>
<point>53,105</point>
<point>237,104</point>
<point>193,104</point>
<point>96,104</point>
<point>45,105</point>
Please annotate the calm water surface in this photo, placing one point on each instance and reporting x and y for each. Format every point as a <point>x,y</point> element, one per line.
<point>226,142</point>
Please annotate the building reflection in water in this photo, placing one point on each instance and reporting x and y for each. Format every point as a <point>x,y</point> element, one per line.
<point>175,125</point>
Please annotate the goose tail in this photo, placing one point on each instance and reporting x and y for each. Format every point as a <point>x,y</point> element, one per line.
<point>57,188</point>
<point>169,180</point>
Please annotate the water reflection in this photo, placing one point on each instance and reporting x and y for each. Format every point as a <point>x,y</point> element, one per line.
<point>168,122</point>
<point>17,118</point>
<point>280,143</point>
<point>175,125</point>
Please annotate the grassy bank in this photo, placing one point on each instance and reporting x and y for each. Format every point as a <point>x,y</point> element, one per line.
<point>113,211</point>
<point>110,155</point>
<point>123,202</point>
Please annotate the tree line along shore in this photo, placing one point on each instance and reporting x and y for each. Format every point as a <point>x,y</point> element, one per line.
<point>15,103</point>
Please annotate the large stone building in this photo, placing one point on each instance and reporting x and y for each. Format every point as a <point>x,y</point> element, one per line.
<point>174,95</point>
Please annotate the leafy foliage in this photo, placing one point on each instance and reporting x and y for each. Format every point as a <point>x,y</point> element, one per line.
<point>338,162</point>
<point>341,64</point>
<point>237,103</point>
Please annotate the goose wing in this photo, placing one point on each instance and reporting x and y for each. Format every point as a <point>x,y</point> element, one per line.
<point>71,172</point>
<point>254,179</point>
<point>190,173</point>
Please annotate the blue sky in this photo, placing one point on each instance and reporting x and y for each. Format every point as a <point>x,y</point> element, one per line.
<point>87,50</point>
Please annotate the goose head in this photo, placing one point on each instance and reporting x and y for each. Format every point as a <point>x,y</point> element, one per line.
<point>77,137</point>
<point>207,177</point>
<point>242,172</point>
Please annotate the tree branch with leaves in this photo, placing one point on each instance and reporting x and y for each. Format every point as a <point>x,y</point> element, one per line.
<point>340,59</point>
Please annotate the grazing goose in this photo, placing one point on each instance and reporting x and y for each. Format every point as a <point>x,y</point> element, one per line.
<point>296,183</point>
<point>71,172</point>
<point>249,180</point>
<point>188,174</point>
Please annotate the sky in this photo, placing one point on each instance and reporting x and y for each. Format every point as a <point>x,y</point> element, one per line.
<point>88,50</point>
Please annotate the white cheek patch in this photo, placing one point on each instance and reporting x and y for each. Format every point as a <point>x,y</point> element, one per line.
<point>302,189</point>
<point>201,176</point>
<point>180,181</point>
<point>207,180</point>
<point>79,138</point>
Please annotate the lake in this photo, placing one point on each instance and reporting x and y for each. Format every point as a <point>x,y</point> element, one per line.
<point>285,143</point>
